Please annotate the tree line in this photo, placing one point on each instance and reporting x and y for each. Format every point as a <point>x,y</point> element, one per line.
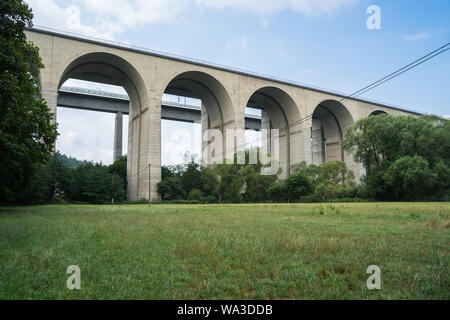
<point>67,180</point>
<point>406,158</point>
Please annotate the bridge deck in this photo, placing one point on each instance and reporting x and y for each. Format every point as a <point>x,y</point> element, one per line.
<point>102,101</point>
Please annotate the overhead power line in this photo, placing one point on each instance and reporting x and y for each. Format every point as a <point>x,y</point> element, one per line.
<point>365,89</point>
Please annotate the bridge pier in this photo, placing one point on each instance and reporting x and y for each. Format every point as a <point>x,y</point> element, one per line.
<point>204,156</point>
<point>266,136</point>
<point>118,133</point>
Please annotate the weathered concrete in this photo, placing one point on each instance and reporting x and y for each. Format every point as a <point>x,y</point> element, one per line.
<point>118,135</point>
<point>298,111</point>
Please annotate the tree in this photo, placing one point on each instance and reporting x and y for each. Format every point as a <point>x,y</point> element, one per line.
<point>27,132</point>
<point>395,149</point>
<point>410,178</point>
<point>293,188</point>
<point>191,177</point>
<point>170,186</point>
<point>119,168</point>
<point>333,172</point>
<point>230,182</point>
<point>94,183</point>
<point>195,194</point>
<point>336,173</point>
<point>256,185</point>
<point>170,189</point>
<point>379,141</point>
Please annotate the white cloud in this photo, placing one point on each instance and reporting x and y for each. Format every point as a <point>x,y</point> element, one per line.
<point>447,117</point>
<point>422,35</point>
<point>48,13</point>
<point>103,18</point>
<point>109,18</point>
<point>270,6</point>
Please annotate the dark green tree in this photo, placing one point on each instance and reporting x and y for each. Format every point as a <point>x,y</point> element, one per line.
<point>119,168</point>
<point>191,177</point>
<point>170,187</point>
<point>230,182</point>
<point>27,133</point>
<point>295,186</point>
<point>410,178</point>
<point>93,183</point>
<point>401,146</point>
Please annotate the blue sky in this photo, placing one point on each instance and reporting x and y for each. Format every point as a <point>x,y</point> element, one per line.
<point>324,43</point>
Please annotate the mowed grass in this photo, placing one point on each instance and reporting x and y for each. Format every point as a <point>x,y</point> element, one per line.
<point>263,251</point>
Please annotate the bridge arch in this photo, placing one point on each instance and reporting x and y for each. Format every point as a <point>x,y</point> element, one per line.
<point>377,113</point>
<point>330,119</point>
<point>218,111</point>
<point>109,69</point>
<point>203,86</point>
<point>279,111</point>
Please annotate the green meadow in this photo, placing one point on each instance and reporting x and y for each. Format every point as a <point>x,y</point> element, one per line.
<point>262,251</point>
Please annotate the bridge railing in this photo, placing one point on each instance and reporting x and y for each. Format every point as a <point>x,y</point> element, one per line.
<point>217,66</point>
<point>94,92</point>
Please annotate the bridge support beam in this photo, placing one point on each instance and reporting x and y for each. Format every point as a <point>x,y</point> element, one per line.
<point>118,133</point>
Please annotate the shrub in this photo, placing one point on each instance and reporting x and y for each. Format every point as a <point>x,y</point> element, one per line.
<point>195,194</point>
<point>211,199</point>
<point>293,188</point>
<point>410,178</point>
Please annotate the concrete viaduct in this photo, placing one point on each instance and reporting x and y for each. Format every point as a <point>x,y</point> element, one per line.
<point>312,121</point>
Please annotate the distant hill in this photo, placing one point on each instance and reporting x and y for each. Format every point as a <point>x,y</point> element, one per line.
<point>71,161</point>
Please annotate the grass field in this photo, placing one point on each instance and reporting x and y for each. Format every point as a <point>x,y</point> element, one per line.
<point>265,251</point>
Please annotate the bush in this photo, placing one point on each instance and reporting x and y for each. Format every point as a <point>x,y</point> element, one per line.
<point>195,194</point>
<point>410,178</point>
<point>293,188</point>
<point>211,199</point>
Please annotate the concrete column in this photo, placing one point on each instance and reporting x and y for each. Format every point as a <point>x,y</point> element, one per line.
<point>307,141</point>
<point>235,142</point>
<point>49,92</point>
<point>205,127</point>
<point>153,166</point>
<point>317,143</point>
<point>296,142</point>
<point>118,132</point>
<point>131,179</point>
<point>146,153</point>
<point>266,138</point>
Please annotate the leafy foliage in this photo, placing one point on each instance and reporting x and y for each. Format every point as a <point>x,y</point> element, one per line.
<point>27,132</point>
<point>293,188</point>
<point>221,183</point>
<point>88,182</point>
<point>406,157</point>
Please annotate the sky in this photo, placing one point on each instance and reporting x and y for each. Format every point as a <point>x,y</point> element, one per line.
<point>324,43</point>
